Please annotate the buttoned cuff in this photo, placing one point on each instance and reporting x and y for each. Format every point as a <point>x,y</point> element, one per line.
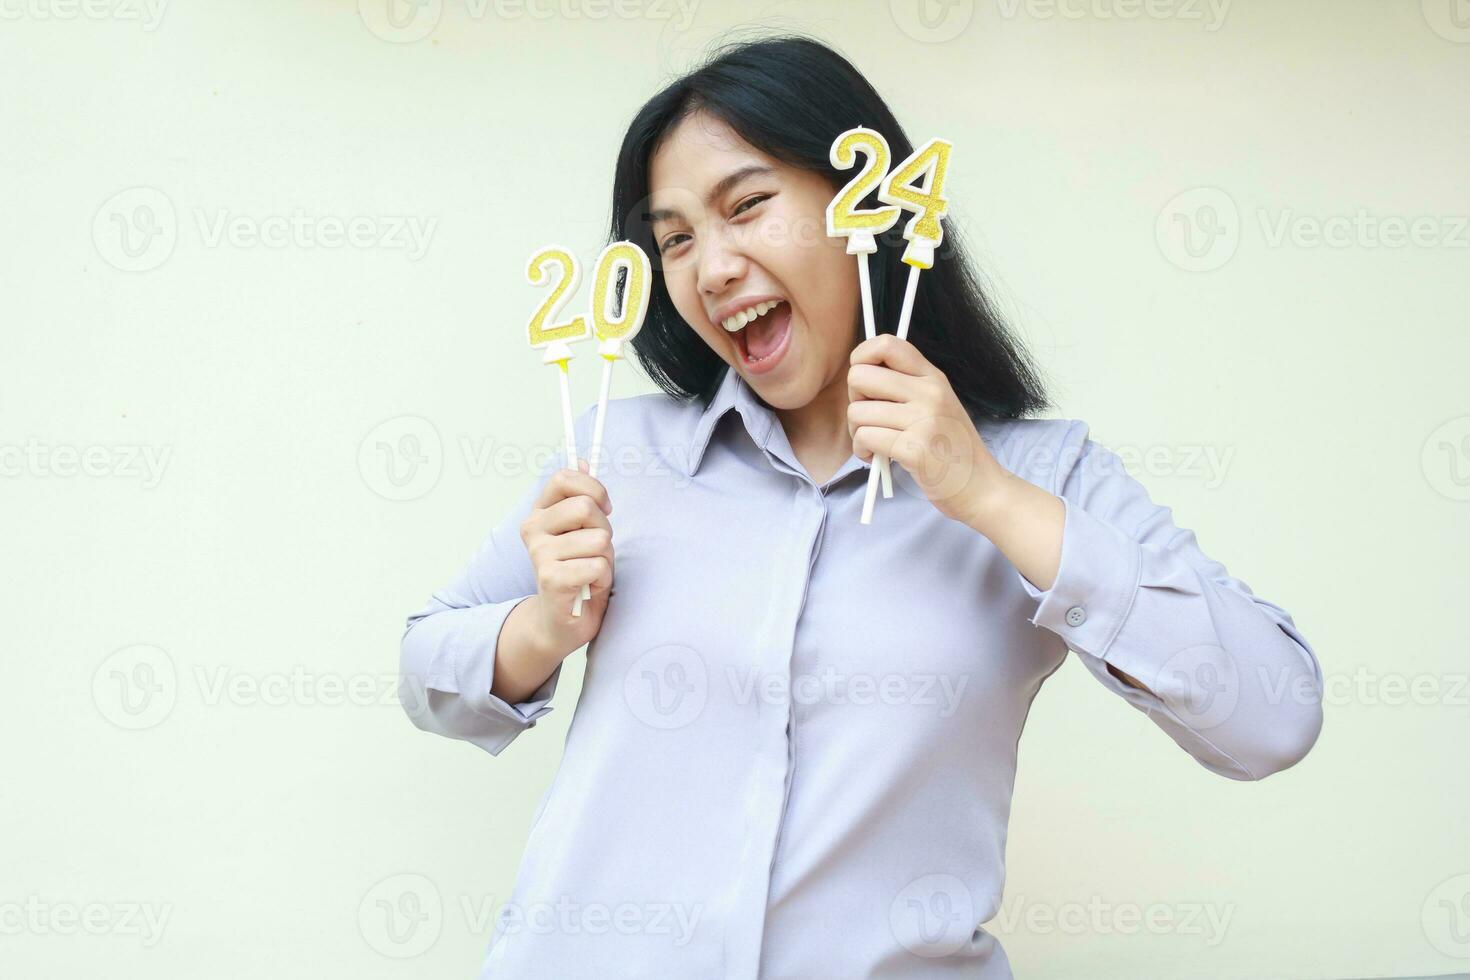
<point>1095,586</point>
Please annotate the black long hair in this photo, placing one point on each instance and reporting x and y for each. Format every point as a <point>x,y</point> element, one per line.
<point>790,96</point>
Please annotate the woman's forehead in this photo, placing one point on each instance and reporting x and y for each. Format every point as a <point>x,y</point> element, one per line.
<point>700,149</point>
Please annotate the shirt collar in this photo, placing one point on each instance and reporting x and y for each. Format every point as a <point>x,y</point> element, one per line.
<point>732,393</point>
<point>760,422</point>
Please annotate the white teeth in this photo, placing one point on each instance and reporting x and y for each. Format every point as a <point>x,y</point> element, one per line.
<point>739,320</point>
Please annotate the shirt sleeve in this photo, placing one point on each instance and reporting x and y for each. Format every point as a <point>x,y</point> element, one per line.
<point>447,655</point>
<point>1234,682</point>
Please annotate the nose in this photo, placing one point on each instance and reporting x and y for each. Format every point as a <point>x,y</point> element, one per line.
<point>720,264</point>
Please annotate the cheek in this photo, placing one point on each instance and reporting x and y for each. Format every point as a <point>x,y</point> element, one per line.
<point>835,278</point>
<point>822,276</point>
<point>684,294</point>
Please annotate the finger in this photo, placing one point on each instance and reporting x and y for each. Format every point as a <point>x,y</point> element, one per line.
<point>889,350</point>
<point>870,439</point>
<point>584,542</point>
<point>889,415</point>
<point>877,381</point>
<point>569,483</point>
<point>573,513</point>
<point>569,576</point>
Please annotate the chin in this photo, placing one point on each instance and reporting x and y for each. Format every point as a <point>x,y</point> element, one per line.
<point>783,393</point>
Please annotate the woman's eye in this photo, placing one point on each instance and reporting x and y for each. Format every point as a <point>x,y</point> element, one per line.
<point>749,202</point>
<point>670,242</point>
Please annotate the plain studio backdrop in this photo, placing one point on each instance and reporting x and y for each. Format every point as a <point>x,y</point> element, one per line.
<point>264,387</point>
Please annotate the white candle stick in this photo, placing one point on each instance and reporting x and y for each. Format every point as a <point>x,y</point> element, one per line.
<point>569,433</point>
<point>614,324</point>
<point>924,233</point>
<point>879,460</point>
<point>595,454</point>
<point>865,287</point>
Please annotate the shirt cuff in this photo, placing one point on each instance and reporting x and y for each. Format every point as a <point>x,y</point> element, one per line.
<point>1095,586</point>
<point>458,702</point>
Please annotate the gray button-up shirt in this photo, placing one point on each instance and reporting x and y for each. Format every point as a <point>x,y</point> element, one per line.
<point>795,745</point>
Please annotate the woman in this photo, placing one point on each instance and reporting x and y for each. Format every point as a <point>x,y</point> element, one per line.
<point>796,741</point>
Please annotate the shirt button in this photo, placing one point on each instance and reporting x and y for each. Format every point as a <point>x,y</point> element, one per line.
<point>1076,616</point>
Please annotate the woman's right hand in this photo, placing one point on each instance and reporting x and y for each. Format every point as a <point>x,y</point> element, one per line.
<point>569,539</point>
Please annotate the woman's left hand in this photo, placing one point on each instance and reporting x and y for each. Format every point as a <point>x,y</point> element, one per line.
<point>902,406</point>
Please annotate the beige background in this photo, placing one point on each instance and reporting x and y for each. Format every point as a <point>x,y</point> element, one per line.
<point>197,699</point>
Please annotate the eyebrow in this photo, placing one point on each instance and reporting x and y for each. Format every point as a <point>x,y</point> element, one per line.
<point>721,188</point>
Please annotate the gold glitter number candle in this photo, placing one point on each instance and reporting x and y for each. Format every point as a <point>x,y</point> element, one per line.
<point>556,340</point>
<point>923,232</point>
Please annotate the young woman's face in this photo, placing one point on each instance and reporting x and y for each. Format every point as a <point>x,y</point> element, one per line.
<point>740,231</point>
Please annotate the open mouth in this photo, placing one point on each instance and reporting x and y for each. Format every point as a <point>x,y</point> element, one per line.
<point>764,339</point>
